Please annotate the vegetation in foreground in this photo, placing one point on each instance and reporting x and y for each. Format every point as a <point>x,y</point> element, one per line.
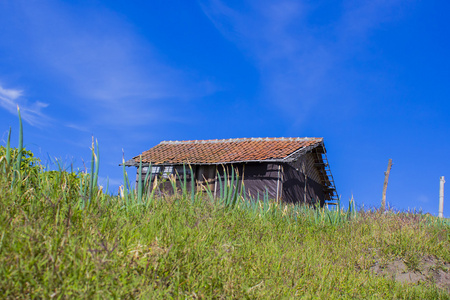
<point>62,237</point>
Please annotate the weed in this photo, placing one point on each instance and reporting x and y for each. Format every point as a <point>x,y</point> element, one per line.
<point>61,236</point>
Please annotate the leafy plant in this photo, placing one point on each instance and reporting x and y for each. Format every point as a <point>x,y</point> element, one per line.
<point>61,237</point>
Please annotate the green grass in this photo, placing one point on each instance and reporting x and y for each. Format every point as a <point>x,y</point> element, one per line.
<point>174,248</point>
<point>62,237</point>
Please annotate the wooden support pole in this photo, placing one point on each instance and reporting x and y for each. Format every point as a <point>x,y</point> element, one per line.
<point>386,179</point>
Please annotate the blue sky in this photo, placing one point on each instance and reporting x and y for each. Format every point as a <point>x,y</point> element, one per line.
<point>371,77</point>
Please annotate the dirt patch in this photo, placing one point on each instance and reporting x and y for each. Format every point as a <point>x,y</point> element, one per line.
<point>426,269</point>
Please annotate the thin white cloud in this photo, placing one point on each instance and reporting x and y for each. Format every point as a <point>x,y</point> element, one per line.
<point>10,93</point>
<point>291,65</point>
<point>300,60</point>
<point>115,75</point>
<point>77,127</point>
<point>31,112</point>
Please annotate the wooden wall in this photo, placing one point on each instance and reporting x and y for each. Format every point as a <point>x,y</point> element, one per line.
<point>259,178</point>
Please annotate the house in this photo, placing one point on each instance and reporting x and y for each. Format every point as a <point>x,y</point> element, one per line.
<point>294,170</point>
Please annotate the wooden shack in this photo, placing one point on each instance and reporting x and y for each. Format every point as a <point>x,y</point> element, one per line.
<point>294,170</point>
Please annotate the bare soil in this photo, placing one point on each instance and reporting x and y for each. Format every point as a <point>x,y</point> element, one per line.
<point>427,269</point>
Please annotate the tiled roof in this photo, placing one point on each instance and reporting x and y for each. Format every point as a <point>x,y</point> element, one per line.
<point>225,151</point>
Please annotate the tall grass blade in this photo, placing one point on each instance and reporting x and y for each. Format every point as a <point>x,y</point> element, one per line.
<point>220,185</point>
<point>19,150</point>
<point>146,180</point>
<point>328,214</point>
<point>209,192</point>
<point>266,201</point>
<point>225,185</point>
<point>236,193</point>
<point>125,190</point>
<point>140,180</point>
<point>8,149</point>
<point>129,189</point>
<point>192,185</point>
<point>81,192</point>
<point>97,164</point>
<point>173,183</point>
<point>91,178</point>
<point>257,202</point>
<point>184,187</point>
<point>231,189</point>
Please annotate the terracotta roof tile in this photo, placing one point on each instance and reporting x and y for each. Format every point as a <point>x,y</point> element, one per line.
<point>225,151</point>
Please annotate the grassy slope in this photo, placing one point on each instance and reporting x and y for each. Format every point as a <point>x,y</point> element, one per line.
<point>50,247</point>
<point>61,237</point>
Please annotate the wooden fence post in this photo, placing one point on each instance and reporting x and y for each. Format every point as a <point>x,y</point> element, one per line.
<point>441,197</point>
<point>386,179</point>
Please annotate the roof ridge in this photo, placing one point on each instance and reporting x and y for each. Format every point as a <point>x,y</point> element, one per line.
<point>234,140</point>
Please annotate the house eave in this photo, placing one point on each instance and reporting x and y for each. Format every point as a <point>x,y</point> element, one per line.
<point>133,163</point>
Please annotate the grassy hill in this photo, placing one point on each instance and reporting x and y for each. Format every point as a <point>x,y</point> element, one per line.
<point>63,237</point>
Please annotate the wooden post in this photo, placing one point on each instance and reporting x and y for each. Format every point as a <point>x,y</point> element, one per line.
<point>441,197</point>
<point>278,180</point>
<point>386,179</point>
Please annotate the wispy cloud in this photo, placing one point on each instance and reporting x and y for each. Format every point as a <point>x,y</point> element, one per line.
<point>115,75</point>
<point>31,112</point>
<point>300,58</point>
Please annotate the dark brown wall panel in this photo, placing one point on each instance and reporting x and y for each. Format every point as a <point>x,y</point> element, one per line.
<point>294,186</point>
